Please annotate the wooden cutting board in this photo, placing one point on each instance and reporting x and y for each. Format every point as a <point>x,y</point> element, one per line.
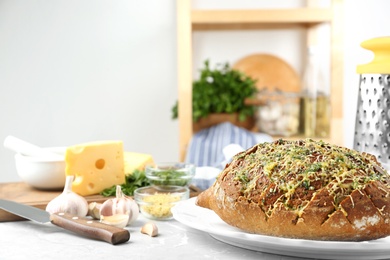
<point>25,194</point>
<point>270,72</point>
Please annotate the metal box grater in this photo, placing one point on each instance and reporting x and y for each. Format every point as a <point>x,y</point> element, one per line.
<point>372,127</point>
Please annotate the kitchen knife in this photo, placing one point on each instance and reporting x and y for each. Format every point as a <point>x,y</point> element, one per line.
<point>82,226</point>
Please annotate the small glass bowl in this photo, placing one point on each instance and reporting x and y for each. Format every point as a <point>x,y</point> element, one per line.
<point>155,202</point>
<point>170,174</point>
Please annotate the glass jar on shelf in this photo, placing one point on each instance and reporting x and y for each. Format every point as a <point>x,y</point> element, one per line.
<point>278,113</point>
<point>315,100</point>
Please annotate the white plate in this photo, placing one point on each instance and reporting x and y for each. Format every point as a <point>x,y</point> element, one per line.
<point>206,220</point>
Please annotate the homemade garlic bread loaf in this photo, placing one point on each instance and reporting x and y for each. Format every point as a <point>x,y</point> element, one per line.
<point>303,189</point>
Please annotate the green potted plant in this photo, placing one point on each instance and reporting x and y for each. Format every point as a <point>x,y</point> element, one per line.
<point>219,95</point>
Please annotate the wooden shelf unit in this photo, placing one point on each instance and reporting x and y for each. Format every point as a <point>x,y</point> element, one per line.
<point>231,19</point>
<point>189,20</point>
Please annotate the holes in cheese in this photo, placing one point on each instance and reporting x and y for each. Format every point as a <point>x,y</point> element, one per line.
<point>100,164</point>
<point>95,166</point>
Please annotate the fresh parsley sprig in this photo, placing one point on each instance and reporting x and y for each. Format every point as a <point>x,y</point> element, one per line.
<point>132,182</point>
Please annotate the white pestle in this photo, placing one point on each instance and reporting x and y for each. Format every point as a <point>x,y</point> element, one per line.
<point>20,146</point>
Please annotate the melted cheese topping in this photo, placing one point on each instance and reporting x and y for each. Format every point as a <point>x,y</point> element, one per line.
<point>286,167</point>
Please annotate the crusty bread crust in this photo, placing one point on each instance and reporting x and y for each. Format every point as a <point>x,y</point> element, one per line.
<point>353,209</point>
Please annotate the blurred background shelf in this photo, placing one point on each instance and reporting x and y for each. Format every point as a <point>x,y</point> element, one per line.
<point>252,19</point>
<point>308,17</point>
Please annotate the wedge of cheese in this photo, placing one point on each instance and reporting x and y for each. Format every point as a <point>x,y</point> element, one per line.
<point>95,166</point>
<point>136,161</point>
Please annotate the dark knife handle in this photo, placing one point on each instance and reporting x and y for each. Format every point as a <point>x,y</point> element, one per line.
<point>90,228</point>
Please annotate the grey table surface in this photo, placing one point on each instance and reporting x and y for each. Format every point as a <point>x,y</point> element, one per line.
<point>29,240</point>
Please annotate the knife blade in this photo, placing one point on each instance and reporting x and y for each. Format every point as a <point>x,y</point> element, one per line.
<point>81,226</point>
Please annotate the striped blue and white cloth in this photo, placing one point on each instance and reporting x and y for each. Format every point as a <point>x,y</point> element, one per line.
<point>206,146</point>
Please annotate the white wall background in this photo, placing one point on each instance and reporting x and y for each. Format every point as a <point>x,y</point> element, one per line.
<point>78,71</point>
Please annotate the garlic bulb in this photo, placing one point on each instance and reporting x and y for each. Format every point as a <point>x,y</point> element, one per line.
<point>121,205</point>
<point>68,201</point>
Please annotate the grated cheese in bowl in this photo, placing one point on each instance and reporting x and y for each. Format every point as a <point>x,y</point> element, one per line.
<point>156,202</point>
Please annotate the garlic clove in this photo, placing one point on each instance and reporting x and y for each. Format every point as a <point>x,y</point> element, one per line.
<point>150,229</point>
<point>68,202</point>
<point>118,220</point>
<point>94,210</point>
